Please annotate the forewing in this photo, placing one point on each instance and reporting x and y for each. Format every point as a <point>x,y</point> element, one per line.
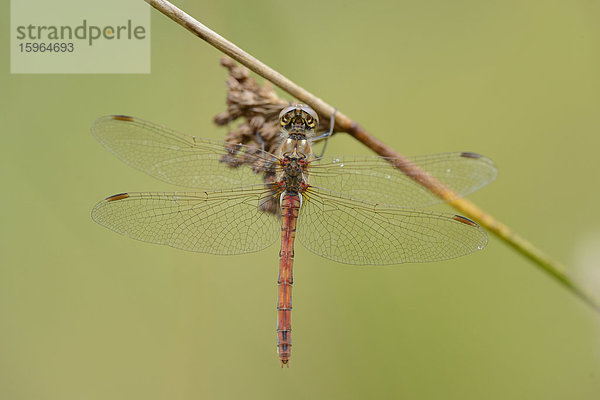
<point>174,157</point>
<point>218,222</point>
<point>355,232</point>
<point>376,180</point>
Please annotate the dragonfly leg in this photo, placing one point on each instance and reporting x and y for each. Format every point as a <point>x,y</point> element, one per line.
<point>327,134</point>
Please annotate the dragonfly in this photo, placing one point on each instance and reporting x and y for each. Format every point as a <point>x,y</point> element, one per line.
<point>350,209</point>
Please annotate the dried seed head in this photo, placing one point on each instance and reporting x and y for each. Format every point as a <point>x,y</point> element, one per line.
<point>259,107</point>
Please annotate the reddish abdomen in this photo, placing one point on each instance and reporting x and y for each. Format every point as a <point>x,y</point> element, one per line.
<point>290,205</point>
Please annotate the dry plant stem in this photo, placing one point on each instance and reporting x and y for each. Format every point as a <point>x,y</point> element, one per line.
<point>344,123</point>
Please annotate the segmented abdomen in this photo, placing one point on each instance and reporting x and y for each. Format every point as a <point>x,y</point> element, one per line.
<point>290,205</point>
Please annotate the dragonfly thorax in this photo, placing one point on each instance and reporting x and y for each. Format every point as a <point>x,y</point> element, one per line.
<point>292,166</point>
<point>293,174</point>
<point>295,152</point>
<point>296,147</point>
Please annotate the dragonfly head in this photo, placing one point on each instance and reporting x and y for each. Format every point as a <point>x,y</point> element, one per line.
<point>299,119</point>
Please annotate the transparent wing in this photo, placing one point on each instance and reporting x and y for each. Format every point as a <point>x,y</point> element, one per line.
<point>219,222</point>
<point>355,232</point>
<point>173,157</point>
<point>375,180</point>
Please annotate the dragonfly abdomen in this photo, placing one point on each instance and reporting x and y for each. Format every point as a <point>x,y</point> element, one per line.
<point>290,205</point>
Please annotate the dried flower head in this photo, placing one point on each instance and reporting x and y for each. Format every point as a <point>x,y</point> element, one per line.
<point>259,108</point>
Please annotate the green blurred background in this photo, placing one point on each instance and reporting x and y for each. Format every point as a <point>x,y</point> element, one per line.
<point>88,314</point>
